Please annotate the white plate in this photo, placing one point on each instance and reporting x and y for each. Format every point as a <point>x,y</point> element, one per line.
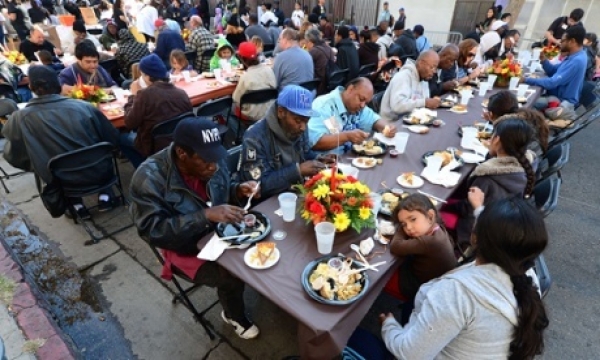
<point>472,158</point>
<point>356,162</point>
<point>417,182</point>
<point>458,112</point>
<point>251,259</point>
<point>418,129</point>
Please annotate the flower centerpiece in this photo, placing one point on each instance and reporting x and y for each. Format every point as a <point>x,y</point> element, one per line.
<point>505,69</point>
<point>551,51</point>
<point>15,57</point>
<point>90,93</point>
<point>338,198</point>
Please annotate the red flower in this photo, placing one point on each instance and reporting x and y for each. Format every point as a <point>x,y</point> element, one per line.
<point>367,203</point>
<point>333,181</point>
<point>351,179</point>
<point>312,181</point>
<point>337,196</point>
<point>317,208</point>
<point>336,208</point>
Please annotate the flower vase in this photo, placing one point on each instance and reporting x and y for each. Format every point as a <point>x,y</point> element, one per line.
<point>502,82</point>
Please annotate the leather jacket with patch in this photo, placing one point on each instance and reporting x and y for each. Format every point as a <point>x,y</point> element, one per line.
<point>167,213</point>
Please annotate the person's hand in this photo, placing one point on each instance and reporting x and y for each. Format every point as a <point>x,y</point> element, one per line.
<point>476,197</point>
<point>246,189</point>
<point>327,159</point>
<point>475,73</point>
<point>433,103</point>
<point>357,136</point>
<point>57,51</point>
<point>487,115</point>
<point>311,167</point>
<point>389,131</point>
<point>135,87</point>
<point>225,214</point>
<point>383,317</point>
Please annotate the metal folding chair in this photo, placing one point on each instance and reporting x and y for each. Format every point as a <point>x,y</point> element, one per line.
<point>162,133</point>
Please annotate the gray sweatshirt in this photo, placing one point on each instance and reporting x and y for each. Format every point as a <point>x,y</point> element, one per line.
<point>403,94</point>
<point>469,313</point>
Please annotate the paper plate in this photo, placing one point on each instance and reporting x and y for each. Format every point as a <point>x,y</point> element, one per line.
<point>472,158</point>
<point>364,162</point>
<point>251,259</point>
<point>417,182</point>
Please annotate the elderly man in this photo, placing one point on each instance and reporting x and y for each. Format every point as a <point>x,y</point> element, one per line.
<point>407,91</point>
<point>293,65</point>
<point>52,125</point>
<point>200,40</point>
<point>167,40</point>
<point>86,68</point>
<point>344,119</point>
<point>439,84</point>
<point>178,196</point>
<point>159,101</point>
<point>35,43</point>
<point>276,149</point>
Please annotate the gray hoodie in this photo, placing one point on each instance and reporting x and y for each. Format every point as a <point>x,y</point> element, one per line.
<point>402,94</point>
<point>469,313</point>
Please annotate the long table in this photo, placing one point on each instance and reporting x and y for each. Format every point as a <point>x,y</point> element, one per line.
<point>323,330</point>
<point>199,92</point>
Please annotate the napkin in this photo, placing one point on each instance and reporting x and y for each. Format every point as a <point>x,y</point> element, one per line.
<point>213,248</point>
<point>396,141</point>
<point>452,98</point>
<point>444,178</point>
<point>475,145</point>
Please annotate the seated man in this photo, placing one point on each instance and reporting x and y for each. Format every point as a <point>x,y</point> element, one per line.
<point>405,92</point>
<point>293,65</point>
<point>177,197</point>
<point>327,134</point>
<point>35,43</point>
<point>565,80</point>
<point>146,107</point>
<point>80,33</point>
<point>86,68</point>
<point>52,125</point>
<point>440,84</point>
<point>276,150</point>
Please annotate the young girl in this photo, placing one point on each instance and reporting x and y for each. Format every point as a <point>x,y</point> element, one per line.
<point>180,63</point>
<point>297,15</point>
<point>257,41</point>
<point>224,52</point>
<point>423,242</point>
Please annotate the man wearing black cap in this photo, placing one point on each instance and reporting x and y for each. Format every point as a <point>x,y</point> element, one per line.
<point>177,197</point>
<point>51,125</point>
<point>80,33</point>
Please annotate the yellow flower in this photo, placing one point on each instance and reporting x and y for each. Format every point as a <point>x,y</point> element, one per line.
<point>326,173</point>
<point>362,188</point>
<point>364,213</point>
<point>305,215</point>
<point>341,221</point>
<point>79,94</point>
<point>348,186</point>
<point>321,191</point>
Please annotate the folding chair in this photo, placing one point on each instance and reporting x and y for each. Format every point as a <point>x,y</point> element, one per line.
<point>183,293</point>
<point>375,102</point>
<point>254,97</point>
<point>365,70</point>
<point>234,159</point>
<point>88,171</point>
<point>311,85</point>
<point>337,78</point>
<point>216,107</point>
<point>565,135</point>
<point>543,274</point>
<point>545,195</point>
<point>191,57</point>
<point>553,161</point>
<point>162,133</point>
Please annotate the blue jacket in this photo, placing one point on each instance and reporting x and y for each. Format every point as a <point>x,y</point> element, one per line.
<point>263,156</point>
<point>168,40</point>
<point>565,80</point>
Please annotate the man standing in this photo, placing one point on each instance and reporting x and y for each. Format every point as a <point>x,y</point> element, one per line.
<point>319,9</point>
<point>347,56</point>
<point>268,17</point>
<point>279,13</point>
<point>444,79</point>
<point>52,125</point>
<point>200,40</point>
<point>35,43</point>
<point>385,14</point>
<point>407,91</point>
<point>145,20</point>
<point>204,13</point>
<point>344,119</point>
<point>276,149</point>
<point>401,18</point>
<point>293,65</point>
<point>178,196</point>
<point>565,80</point>
<point>560,25</point>
<point>86,68</point>
<point>80,33</point>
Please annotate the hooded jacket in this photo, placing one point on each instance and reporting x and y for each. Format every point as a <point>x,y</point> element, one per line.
<point>347,57</point>
<point>269,155</point>
<point>257,77</point>
<point>408,43</point>
<point>215,61</point>
<point>368,53</point>
<point>468,313</point>
<point>129,50</point>
<point>107,39</point>
<point>400,95</point>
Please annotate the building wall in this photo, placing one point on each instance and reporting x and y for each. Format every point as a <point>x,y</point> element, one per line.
<point>434,15</point>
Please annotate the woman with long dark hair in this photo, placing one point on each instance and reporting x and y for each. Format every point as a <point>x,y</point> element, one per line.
<point>491,16</point>
<point>489,308</point>
<point>118,16</point>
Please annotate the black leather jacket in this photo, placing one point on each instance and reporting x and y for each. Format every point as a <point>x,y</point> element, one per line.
<point>167,213</point>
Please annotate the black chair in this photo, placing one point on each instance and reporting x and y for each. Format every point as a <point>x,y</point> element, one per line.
<point>311,85</point>
<point>234,159</point>
<point>183,293</point>
<point>587,96</point>
<point>543,274</point>
<point>268,47</point>
<point>375,102</point>
<point>253,97</point>
<point>565,135</point>
<point>127,70</point>
<point>112,68</point>
<point>553,161</point>
<point>8,92</point>
<point>162,133</point>
<point>337,78</point>
<point>191,57</point>
<point>365,70</point>
<point>545,195</point>
<point>88,171</point>
<point>216,107</point>
<point>268,54</point>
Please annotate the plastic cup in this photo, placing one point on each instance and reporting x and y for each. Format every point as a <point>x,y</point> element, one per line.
<point>218,74</point>
<point>401,140</point>
<point>376,198</point>
<point>287,203</point>
<point>465,96</point>
<point>186,76</point>
<point>469,135</point>
<point>536,54</point>
<point>535,64</point>
<point>492,80</point>
<point>483,88</point>
<point>513,83</point>
<point>325,232</point>
<point>522,90</point>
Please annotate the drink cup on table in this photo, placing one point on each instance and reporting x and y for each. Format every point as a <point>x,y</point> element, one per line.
<point>376,199</point>
<point>465,95</point>
<point>186,76</point>
<point>514,82</point>
<point>522,90</point>
<point>492,80</point>
<point>483,88</point>
<point>401,140</point>
<point>287,204</point>
<point>325,232</point>
<point>536,54</point>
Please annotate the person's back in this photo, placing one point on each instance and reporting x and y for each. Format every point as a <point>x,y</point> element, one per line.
<point>257,30</point>
<point>408,43</point>
<point>168,40</point>
<point>347,57</point>
<point>274,31</point>
<point>293,66</point>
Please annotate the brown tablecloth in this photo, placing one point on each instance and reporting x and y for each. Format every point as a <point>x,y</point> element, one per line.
<point>323,330</point>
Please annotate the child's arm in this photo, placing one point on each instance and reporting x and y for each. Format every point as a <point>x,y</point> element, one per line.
<point>401,245</point>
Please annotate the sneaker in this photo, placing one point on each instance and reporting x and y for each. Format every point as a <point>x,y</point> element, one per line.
<point>105,205</point>
<point>244,329</point>
<point>82,212</point>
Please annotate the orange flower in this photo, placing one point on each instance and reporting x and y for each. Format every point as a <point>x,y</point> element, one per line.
<point>336,208</point>
<point>367,203</point>
<point>352,201</point>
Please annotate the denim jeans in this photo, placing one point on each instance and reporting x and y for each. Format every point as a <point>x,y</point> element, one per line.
<point>126,144</point>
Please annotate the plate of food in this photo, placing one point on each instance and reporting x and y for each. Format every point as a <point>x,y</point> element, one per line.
<point>364,162</point>
<point>233,79</point>
<point>484,130</point>
<point>485,103</point>
<point>370,147</point>
<point>108,98</point>
<point>208,75</point>
<point>420,117</point>
<point>522,99</point>
<point>335,280</point>
<point>214,84</point>
<point>262,256</point>
<point>446,156</point>
<point>472,158</point>
<point>465,88</point>
<point>447,104</point>
<point>255,227</point>
<point>459,109</point>
<point>390,199</point>
<point>410,181</point>
<point>418,129</point>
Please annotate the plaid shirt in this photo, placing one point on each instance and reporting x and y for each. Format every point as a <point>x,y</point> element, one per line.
<point>200,41</point>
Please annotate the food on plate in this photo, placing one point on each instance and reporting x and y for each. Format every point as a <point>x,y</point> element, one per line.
<point>459,108</point>
<point>208,74</point>
<point>386,228</point>
<point>485,102</point>
<point>447,103</point>
<point>336,284</point>
<point>463,87</point>
<point>366,161</point>
<point>409,177</point>
<point>366,246</point>
<point>421,116</point>
<point>213,84</point>
<point>387,131</point>
<point>369,147</point>
<point>522,99</point>
<point>114,111</point>
<point>446,156</point>
<point>264,251</point>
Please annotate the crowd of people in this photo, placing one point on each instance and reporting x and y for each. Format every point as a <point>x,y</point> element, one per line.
<point>488,306</point>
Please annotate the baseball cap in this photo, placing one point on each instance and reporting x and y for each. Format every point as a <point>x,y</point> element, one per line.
<point>297,99</point>
<point>497,25</point>
<point>159,22</point>
<point>247,50</point>
<point>202,135</point>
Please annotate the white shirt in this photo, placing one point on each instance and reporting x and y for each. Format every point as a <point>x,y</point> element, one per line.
<point>145,20</point>
<point>266,16</point>
<point>298,18</point>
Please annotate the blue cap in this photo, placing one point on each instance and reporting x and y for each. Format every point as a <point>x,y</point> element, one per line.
<point>297,100</point>
<point>202,135</point>
<point>153,66</point>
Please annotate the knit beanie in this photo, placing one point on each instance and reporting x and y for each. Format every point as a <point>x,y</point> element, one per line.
<point>154,67</point>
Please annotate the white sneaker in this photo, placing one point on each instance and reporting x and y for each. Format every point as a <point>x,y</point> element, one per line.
<point>250,331</point>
